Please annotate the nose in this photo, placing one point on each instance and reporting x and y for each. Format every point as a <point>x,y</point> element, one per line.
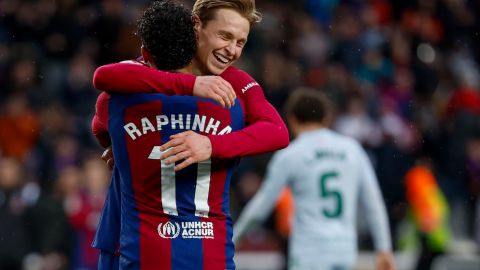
<point>231,49</point>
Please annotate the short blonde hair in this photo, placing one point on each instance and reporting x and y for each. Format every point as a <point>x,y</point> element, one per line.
<point>205,9</point>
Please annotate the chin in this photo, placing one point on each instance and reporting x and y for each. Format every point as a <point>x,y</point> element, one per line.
<point>216,70</point>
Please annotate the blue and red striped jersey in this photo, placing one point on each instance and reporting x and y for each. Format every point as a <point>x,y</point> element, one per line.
<point>171,220</point>
<point>265,132</point>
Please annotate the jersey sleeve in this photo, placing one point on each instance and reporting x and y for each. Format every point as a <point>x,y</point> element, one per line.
<point>265,129</point>
<point>133,77</point>
<point>261,205</point>
<point>374,206</point>
<point>107,235</point>
<point>100,120</point>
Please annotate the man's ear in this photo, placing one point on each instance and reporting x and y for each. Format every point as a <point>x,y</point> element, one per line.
<point>197,22</point>
<point>292,120</point>
<point>147,57</point>
<point>293,124</point>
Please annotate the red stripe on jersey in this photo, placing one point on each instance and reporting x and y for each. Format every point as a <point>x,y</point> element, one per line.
<point>155,252</point>
<point>217,186</point>
<point>214,249</point>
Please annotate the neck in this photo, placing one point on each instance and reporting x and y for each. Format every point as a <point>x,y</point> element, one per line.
<point>196,68</point>
<point>187,69</point>
<point>307,127</point>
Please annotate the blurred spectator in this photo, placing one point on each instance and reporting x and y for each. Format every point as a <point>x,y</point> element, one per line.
<point>32,222</point>
<point>18,128</point>
<point>464,99</point>
<point>78,93</point>
<point>400,92</point>
<point>345,33</point>
<point>66,152</point>
<point>14,233</point>
<point>83,193</point>
<point>422,21</point>
<point>356,123</point>
<point>473,169</point>
<point>430,212</point>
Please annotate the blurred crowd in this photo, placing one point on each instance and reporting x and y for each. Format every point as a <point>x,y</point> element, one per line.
<point>404,78</point>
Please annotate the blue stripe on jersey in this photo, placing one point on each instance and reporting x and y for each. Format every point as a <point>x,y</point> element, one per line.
<point>187,254</point>
<point>229,250</point>
<point>107,235</point>
<point>237,122</point>
<point>117,106</point>
<point>185,192</point>
<point>185,189</point>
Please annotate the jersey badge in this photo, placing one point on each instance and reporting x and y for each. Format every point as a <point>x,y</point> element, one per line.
<point>168,230</point>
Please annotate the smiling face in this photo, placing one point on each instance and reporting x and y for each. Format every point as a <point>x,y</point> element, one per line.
<point>220,41</point>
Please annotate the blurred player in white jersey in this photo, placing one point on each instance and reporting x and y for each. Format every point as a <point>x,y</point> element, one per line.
<point>328,174</point>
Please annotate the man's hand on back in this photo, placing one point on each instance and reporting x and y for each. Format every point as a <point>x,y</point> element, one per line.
<point>216,88</point>
<point>188,146</point>
<point>107,156</point>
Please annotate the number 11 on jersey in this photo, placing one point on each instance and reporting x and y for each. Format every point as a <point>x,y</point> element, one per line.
<point>202,187</point>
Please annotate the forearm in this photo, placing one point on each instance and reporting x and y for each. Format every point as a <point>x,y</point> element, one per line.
<point>376,215</point>
<point>375,210</point>
<point>137,78</point>
<point>266,133</point>
<point>254,213</point>
<point>258,209</point>
<point>380,229</point>
<point>256,139</point>
<point>377,219</point>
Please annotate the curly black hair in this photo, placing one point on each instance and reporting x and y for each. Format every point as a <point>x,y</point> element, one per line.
<point>166,31</point>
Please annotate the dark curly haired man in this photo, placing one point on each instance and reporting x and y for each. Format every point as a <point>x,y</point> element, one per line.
<point>168,43</point>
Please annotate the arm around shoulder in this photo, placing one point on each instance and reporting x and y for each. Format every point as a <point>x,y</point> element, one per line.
<point>265,130</point>
<point>138,78</point>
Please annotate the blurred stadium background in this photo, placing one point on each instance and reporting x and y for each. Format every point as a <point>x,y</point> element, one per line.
<point>404,76</point>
